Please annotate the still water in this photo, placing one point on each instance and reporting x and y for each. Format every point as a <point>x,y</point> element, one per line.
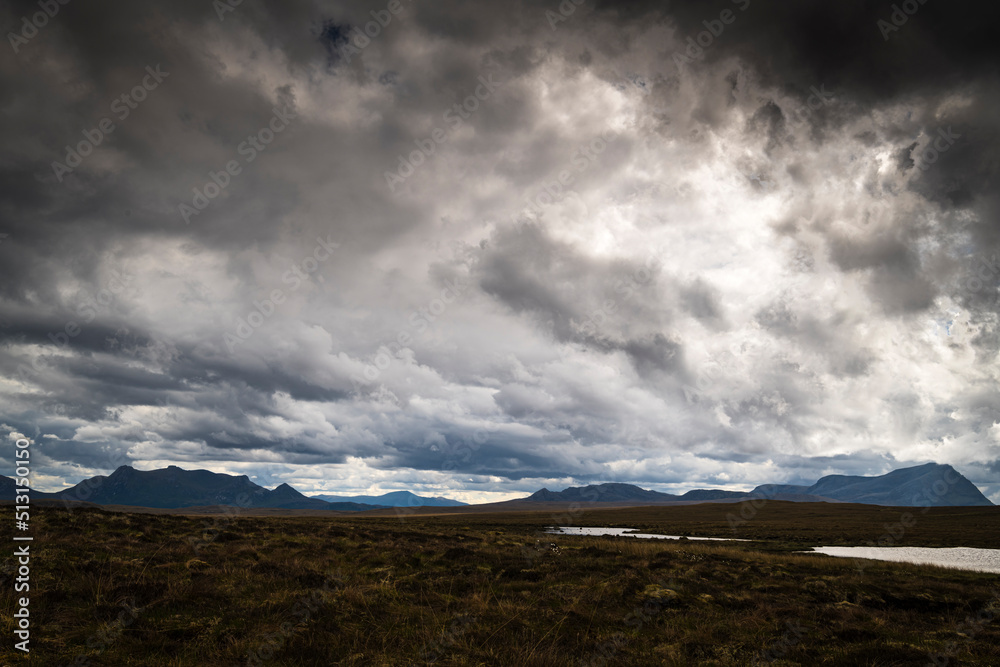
<point>630,532</point>
<point>963,558</point>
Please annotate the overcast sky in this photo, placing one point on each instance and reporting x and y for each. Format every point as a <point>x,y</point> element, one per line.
<point>680,245</point>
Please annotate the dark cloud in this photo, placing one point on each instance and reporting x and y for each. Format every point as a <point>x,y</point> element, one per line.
<point>773,262</point>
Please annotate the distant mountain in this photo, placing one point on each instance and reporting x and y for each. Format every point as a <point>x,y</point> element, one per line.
<point>931,485</point>
<point>174,488</point>
<point>711,494</point>
<point>7,488</point>
<point>601,493</point>
<point>397,499</point>
<point>607,493</point>
<point>771,490</point>
<point>286,497</point>
<point>169,487</point>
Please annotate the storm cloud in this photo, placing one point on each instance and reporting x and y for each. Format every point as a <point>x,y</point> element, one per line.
<point>475,249</point>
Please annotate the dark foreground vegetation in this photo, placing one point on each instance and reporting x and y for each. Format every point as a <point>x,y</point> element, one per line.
<point>111,588</point>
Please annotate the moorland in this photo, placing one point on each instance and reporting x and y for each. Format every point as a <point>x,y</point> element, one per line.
<point>453,588</point>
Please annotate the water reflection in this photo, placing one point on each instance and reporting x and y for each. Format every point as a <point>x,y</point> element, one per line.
<point>631,532</point>
<point>963,558</point>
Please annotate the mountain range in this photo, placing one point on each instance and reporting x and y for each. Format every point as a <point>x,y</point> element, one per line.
<point>931,484</point>
<point>396,499</point>
<point>174,487</point>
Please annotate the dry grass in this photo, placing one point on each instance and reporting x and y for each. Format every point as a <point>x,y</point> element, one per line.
<point>471,591</point>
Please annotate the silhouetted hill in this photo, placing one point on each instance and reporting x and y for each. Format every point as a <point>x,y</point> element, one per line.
<point>170,487</point>
<point>285,497</point>
<point>931,485</point>
<point>770,490</point>
<point>7,488</point>
<point>174,487</point>
<point>396,499</point>
<point>712,494</point>
<point>611,492</point>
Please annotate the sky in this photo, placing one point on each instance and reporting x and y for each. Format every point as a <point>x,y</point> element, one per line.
<point>490,247</point>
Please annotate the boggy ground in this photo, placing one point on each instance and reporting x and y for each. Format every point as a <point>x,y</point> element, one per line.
<point>139,589</point>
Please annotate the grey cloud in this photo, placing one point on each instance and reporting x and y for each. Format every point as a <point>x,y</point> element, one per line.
<point>738,284</point>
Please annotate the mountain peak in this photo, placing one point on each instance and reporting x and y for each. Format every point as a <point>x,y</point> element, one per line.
<point>608,492</point>
<point>395,499</point>
<point>926,485</point>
